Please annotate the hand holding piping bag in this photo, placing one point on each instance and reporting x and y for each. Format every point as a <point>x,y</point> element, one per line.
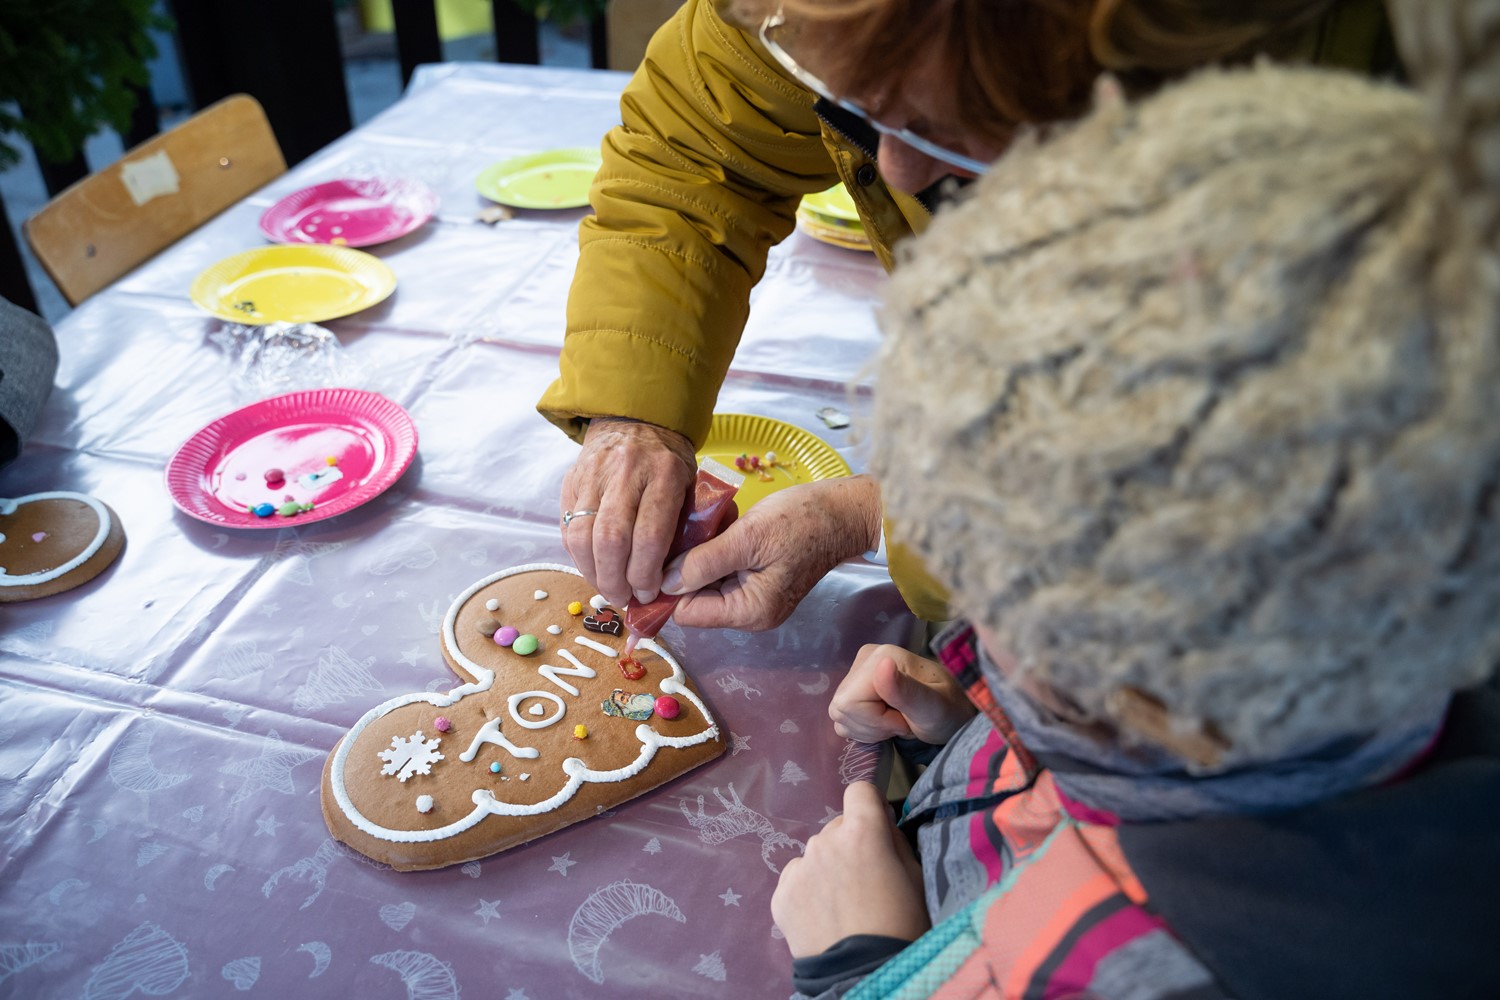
<point>709,508</point>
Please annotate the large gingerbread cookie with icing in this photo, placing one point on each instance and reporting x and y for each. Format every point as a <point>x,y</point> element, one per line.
<point>52,542</point>
<point>535,738</point>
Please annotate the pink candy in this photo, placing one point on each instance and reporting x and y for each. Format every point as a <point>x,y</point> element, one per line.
<point>667,707</point>
<point>505,635</point>
<point>441,724</point>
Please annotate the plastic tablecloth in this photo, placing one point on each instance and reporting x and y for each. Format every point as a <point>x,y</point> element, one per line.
<point>164,727</point>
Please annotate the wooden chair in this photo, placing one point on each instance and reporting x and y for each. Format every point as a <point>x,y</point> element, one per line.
<point>121,216</point>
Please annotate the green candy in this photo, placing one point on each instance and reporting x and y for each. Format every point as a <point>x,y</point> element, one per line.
<point>289,509</point>
<point>525,644</point>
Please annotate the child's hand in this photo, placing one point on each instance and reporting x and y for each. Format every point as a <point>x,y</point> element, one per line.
<point>891,691</point>
<point>858,876</point>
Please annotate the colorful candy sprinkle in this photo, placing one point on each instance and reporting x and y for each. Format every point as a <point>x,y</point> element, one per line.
<point>525,644</point>
<point>580,732</point>
<point>575,608</point>
<point>555,629</point>
<point>488,628</point>
<point>667,707</point>
<point>505,635</point>
<point>442,724</point>
<point>495,768</point>
<point>289,509</point>
<point>331,460</point>
<point>275,476</point>
<point>262,510</point>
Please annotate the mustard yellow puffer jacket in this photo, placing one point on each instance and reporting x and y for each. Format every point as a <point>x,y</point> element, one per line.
<point>715,148</point>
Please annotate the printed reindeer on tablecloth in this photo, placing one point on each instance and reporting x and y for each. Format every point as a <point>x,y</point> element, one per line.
<point>738,820</point>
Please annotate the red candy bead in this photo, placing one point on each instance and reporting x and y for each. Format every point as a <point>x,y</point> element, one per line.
<point>274,476</point>
<point>667,707</point>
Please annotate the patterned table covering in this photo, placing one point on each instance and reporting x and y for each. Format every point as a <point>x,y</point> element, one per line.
<point>163,728</point>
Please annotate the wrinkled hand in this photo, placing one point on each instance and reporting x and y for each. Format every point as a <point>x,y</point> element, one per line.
<point>890,691</point>
<point>754,573</point>
<point>636,476</point>
<point>858,876</point>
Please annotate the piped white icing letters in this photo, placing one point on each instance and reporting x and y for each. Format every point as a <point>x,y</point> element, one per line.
<point>578,669</point>
<point>490,733</point>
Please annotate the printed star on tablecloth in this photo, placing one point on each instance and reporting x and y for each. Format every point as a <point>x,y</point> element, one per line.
<point>267,826</point>
<point>730,897</point>
<point>488,909</point>
<point>563,863</point>
<point>828,816</point>
<point>272,769</point>
<point>411,656</point>
<point>268,609</point>
<point>738,743</point>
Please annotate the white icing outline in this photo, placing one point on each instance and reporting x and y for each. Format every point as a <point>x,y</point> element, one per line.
<point>8,507</point>
<point>519,696</point>
<point>597,647</point>
<point>490,733</point>
<point>485,803</point>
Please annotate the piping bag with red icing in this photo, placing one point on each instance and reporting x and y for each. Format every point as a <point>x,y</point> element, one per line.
<point>703,514</point>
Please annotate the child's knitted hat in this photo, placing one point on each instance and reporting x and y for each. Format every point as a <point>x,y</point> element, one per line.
<point>1197,406</point>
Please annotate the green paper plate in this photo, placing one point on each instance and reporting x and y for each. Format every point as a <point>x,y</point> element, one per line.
<point>558,178</point>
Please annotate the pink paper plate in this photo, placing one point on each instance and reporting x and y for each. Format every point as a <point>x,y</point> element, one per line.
<point>355,212</point>
<point>219,473</point>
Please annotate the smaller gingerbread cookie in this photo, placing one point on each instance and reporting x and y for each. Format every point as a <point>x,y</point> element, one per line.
<point>52,542</point>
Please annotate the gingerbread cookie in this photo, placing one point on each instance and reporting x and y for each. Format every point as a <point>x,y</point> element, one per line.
<point>52,542</point>
<point>543,732</point>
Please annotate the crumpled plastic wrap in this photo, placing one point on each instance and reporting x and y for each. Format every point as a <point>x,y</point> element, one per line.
<point>284,357</point>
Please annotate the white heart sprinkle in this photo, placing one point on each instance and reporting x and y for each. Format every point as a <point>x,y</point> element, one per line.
<point>555,629</point>
<point>540,595</point>
<point>525,777</point>
<point>535,710</point>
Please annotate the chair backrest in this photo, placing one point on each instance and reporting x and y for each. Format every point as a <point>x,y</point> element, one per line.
<point>118,217</point>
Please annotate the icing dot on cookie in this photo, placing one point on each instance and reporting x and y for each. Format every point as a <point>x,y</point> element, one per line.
<point>597,601</point>
<point>492,605</point>
<point>554,629</point>
<point>424,803</point>
<point>540,595</point>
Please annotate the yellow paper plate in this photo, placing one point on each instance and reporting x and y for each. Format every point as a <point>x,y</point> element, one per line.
<point>558,178</point>
<point>292,284</point>
<point>734,434</point>
<point>836,203</point>
<point>850,238</point>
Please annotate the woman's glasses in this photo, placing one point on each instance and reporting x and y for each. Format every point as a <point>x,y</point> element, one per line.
<point>773,24</point>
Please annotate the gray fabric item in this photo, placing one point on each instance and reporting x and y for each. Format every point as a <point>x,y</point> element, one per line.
<point>28,363</point>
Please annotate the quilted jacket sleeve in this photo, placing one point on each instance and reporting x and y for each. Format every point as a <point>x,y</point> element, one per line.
<point>700,179</point>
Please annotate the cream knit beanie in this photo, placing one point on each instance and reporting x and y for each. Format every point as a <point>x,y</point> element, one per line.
<point>1201,399</point>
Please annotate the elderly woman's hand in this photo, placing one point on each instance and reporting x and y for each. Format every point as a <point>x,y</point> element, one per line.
<point>633,476</point>
<point>858,876</point>
<point>890,691</point>
<point>753,575</point>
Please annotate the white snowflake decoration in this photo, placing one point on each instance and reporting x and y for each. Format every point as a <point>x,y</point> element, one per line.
<point>411,755</point>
